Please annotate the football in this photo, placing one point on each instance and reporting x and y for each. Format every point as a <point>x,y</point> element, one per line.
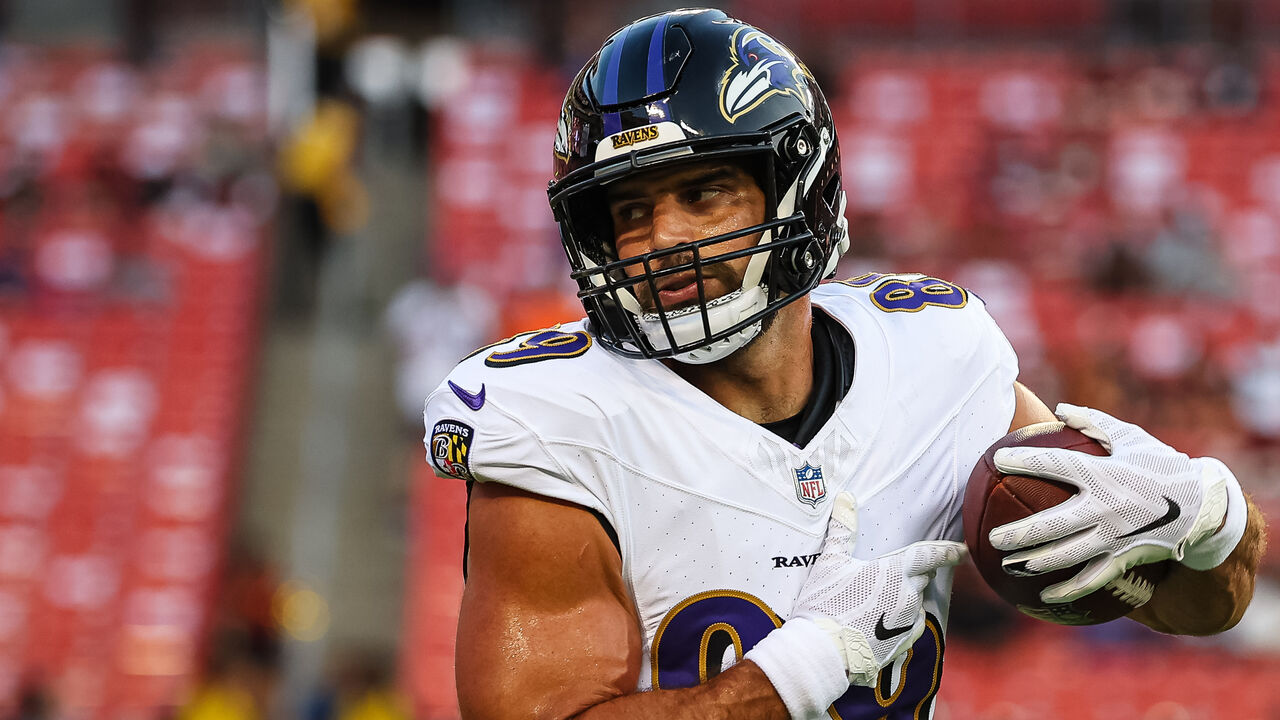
<point>993,499</point>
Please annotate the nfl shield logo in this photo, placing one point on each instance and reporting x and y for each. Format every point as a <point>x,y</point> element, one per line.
<point>810,487</point>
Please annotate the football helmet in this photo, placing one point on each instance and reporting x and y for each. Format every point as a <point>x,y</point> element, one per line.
<point>688,86</point>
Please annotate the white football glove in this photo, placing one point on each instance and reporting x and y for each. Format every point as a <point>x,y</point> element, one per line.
<point>1144,503</point>
<point>865,613</point>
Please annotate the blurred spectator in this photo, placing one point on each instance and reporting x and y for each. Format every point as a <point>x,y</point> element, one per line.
<point>1161,93</point>
<point>1255,395</point>
<point>1183,258</point>
<point>361,689</point>
<point>434,325</point>
<point>245,606</point>
<point>333,22</point>
<point>316,164</point>
<point>34,703</point>
<point>161,144</point>
<point>1118,268</point>
<point>1231,86</point>
<point>232,686</point>
<point>1151,21</point>
<point>1147,169</point>
<point>325,197</point>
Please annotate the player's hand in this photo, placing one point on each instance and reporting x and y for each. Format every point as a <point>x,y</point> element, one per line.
<point>865,613</point>
<point>1144,503</point>
<point>873,609</point>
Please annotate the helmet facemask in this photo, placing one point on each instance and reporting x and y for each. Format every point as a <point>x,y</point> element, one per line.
<point>786,258</point>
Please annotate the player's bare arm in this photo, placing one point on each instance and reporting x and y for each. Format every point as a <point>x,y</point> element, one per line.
<point>548,631</point>
<point>1187,601</point>
<point>1191,602</point>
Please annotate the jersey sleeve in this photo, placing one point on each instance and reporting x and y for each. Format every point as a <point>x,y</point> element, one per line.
<point>495,443</point>
<point>996,354</point>
<point>940,332</point>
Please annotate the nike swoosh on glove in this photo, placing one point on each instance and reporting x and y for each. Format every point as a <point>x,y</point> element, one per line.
<point>870,611</point>
<point>874,608</point>
<point>1144,503</point>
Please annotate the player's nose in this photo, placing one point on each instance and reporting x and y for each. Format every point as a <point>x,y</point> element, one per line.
<point>673,224</point>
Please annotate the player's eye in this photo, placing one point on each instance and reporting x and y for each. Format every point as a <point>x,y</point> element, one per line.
<point>701,194</point>
<point>630,212</point>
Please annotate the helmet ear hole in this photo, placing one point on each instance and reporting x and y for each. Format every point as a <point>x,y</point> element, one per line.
<point>799,266</point>
<point>800,145</point>
<point>831,193</point>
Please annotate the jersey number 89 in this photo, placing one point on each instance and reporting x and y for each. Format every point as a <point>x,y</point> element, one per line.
<point>910,293</point>
<point>695,635</point>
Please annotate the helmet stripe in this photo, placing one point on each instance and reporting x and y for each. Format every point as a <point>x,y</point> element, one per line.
<point>615,61</point>
<point>613,121</point>
<point>654,81</point>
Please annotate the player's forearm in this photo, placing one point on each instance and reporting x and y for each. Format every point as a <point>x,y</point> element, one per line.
<point>743,691</point>
<point>1191,602</point>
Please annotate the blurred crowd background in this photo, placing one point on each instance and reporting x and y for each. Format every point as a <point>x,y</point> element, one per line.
<point>240,240</point>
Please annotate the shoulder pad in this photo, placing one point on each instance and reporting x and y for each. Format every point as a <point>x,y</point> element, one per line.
<point>495,416</point>
<point>921,314</point>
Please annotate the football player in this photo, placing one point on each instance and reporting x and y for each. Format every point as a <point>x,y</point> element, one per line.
<point>731,491</point>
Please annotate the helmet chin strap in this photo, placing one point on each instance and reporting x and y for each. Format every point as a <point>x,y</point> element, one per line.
<point>722,313</point>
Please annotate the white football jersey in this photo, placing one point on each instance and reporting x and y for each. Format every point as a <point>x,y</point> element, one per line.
<point>717,518</point>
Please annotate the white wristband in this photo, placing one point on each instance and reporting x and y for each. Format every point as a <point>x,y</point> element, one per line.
<point>1210,552</point>
<point>804,666</point>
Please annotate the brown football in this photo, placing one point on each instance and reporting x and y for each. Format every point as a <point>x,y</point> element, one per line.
<point>993,499</point>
